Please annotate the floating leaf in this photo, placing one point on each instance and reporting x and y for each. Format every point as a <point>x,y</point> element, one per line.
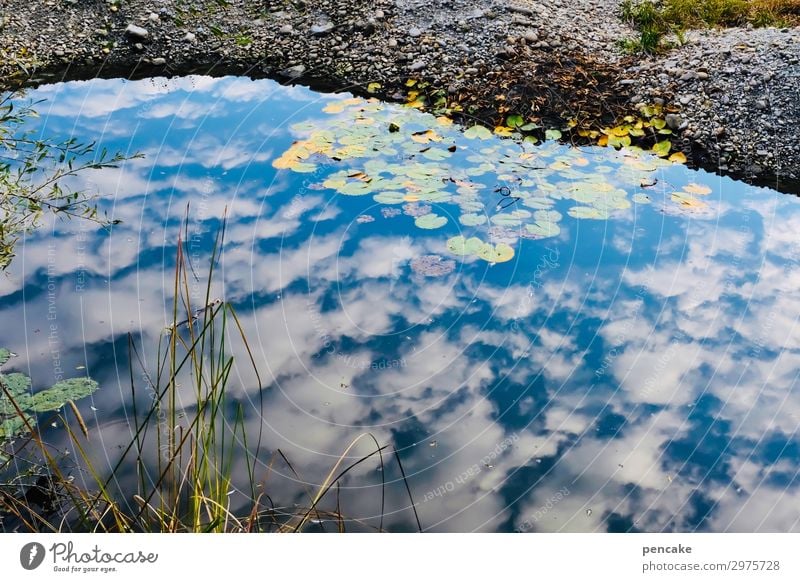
<point>477,132</point>
<point>503,131</point>
<point>697,189</point>
<point>686,200</point>
<point>640,198</point>
<point>390,198</point>
<point>552,134</point>
<point>618,142</point>
<point>678,158</point>
<point>515,121</point>
<point>458,245</point>
<point>430,221</point>
<point>658,123</point>
<point>543,229</point>
<point>472,219</point>
<point>587,212</point>
<point>61,393</point>
<point>661,149</point>
<point>496,253</point>
<point>373,87</point>
<point>547,216</point>
<point>436,154</point>
<point>425,136</point>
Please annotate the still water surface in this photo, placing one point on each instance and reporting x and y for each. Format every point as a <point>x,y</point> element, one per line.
<point>617,352</point>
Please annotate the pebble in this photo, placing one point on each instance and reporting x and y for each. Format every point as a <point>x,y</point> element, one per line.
<point>322,29</point>
<point>136,32</point>
<point>414,32</point>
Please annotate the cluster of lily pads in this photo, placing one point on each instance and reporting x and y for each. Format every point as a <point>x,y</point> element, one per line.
<point>505,189</point>
<point>18,405</point>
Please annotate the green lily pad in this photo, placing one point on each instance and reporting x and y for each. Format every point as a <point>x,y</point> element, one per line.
<point>430,221</point>
<point>515,121</point>
<point>496,253</point>
<point>390,198</point>
<point>543,229</point>
<point>472,219</point>
<point>458,245</point>
<point>552,134</point>
<point>587,212</point>
<point>478,132</point>
<point>61,393</point>
<point>547,216</point>
<point>436,154</point>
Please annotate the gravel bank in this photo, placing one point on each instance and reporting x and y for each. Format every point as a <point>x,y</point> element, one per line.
<point>738,91</point>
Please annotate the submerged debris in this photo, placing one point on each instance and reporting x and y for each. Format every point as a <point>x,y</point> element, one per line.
<point>432,265</point>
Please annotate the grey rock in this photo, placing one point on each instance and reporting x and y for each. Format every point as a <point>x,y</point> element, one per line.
<point>417,66</point>
<point>414,32</point>
<point>322,29</point>
<point>673,120</point>
<point>136,32</point>
<point>286,29</point>
<point>159,61</point>
<point>190,37</point>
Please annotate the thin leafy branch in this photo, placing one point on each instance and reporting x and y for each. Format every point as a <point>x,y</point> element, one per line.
<point>34,175</point>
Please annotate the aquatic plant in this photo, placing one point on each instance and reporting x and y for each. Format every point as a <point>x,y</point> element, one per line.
<point>19,405</point>
<point>501,189</point>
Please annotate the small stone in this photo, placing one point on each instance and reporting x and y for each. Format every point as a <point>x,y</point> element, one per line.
<point>392,43</point>
<point>136,32</point>
<point>153,17</point>
<point>702,76</point>
<point>414,32</point>
<point>417,66</point>
<point>159,61</point>
<point>673,121</point>
<point>379,15</point>
<point>322,29</point>
<point>761,104</point>
<point>190,37</point>
<point>286,29</point>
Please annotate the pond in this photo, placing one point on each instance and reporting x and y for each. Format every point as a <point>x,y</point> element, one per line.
<point>552,338</point>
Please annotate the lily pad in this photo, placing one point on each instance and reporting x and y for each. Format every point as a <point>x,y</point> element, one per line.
<point>17,415</point>
<point>587,212</point>
<point>430,221</point>
<point>458,245</point>
<point>543,229</point>
<point>500,253</point>
<point>478,132</point>
<point>389,198</point>
<point>472,219</point>
<point>552,134</point>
